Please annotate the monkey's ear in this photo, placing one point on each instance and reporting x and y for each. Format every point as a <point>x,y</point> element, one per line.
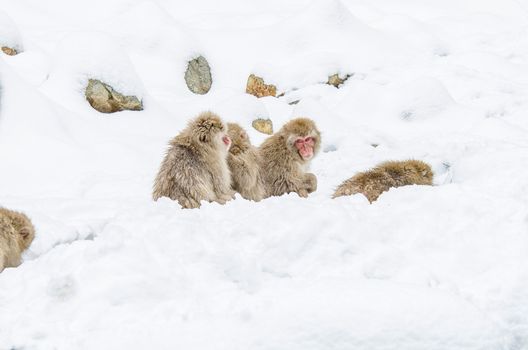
<point>25,232</point>
<point>204,136</point>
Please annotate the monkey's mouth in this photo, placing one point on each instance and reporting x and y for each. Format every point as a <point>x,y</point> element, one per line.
<point>305,147</point>
<point>226,140</point>
<point>306,153</point>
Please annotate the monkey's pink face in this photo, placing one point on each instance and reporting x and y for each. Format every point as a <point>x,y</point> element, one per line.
<point>223,140</point>
<point>305,147</point>
<point>226,140</point>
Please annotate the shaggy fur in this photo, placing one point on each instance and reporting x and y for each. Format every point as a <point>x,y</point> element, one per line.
<point>381,178</point>
<point>243,161</point>
<point>283,168</point>
<point>16,234</point>
<point>195,166</point>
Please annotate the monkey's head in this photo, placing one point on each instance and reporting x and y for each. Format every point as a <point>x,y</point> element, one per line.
<point>209,129</point>
<point>239,139</point>
<point>22,225</point>
<point>421,172</point>
<point>302,138</point>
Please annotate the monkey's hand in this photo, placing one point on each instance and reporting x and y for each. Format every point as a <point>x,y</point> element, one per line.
<point>303,193</point>
<point>310,182</point>
<point>225,197</point>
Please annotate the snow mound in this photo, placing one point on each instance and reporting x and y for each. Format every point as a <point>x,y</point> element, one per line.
<point>91,55</point>
<point>9,33</point>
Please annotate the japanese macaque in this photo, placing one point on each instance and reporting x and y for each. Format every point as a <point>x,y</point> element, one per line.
<point>285,158</point>
<point>381,178</point>
<point>195,166</point>
<point>16,234</point>
<point>243,161</point>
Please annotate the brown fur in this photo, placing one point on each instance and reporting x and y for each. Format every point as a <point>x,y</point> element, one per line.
<point>243,161</point>
<point>384,176</point>
<point>195,166</point>
<point>282,167</point>
<point>16,234</point>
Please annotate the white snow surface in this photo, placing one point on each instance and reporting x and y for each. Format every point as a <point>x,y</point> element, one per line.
<point>442,267</point>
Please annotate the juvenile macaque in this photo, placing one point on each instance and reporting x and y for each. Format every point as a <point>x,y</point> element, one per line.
<point>243,161</point>
<point>16,234</point>
<point>374,182</point>
<point>195,166</point>
<point>285,158</point>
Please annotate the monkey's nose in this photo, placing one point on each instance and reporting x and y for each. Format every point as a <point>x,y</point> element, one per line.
<point>226,140</point>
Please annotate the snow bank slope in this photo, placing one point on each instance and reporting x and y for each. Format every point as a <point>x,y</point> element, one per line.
<point>441,267</point>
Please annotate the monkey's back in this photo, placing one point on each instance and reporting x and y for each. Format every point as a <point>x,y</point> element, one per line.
<point>279,168</point>
<point>381,178</point>
<point>246,175</point>
<point>182,175</point>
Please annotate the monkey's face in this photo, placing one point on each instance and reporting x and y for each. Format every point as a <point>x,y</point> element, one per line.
<point>223,140</point>
<point>304,146</point>
<point>302,138</point>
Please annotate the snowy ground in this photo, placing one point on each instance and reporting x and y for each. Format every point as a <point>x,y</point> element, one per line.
<point>443,267</point>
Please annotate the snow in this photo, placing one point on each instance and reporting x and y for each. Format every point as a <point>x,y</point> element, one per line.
<point>442,267</point>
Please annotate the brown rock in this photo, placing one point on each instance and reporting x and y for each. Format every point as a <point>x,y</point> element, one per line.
<point>256,87</point>
<point>105,99</point>
<point>198,76</point>
<point>265,126</point>
<point>336,81</point>
<point>9,51</point>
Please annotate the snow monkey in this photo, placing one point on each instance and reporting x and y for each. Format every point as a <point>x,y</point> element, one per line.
<point>382,177</point>
<point>195,166</point>
<point>286,155</point>
<point>16,234</point>
<point>243,161</point>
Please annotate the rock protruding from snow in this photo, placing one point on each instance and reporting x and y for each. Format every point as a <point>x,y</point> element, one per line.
<point>9,51</point>
<point>256,87</point>
<point>198,76</point>
<point>336,81</point>
<point>264,126</point>
<point>105,99</point>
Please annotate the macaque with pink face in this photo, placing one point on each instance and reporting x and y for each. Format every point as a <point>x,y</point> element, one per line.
<point>286,155</point>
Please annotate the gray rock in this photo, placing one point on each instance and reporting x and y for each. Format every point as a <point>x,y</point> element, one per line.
<point>105,99</point>
<point>198,76</point>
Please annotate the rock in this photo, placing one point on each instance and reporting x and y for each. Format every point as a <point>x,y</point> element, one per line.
<point>198,76</point>
<point>9,51</point>
<point>105,99</point>
<point>256,87</point>
<point>265,126</point>
<point>336,81</point>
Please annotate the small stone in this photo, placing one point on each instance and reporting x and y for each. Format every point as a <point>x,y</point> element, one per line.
<point>264,126</point>
<point>256,87</point>
<point>294,102</point>
<point>336,81</point>
<point>9,51</point>
<point>105,99</point>
<point>198,76</point>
